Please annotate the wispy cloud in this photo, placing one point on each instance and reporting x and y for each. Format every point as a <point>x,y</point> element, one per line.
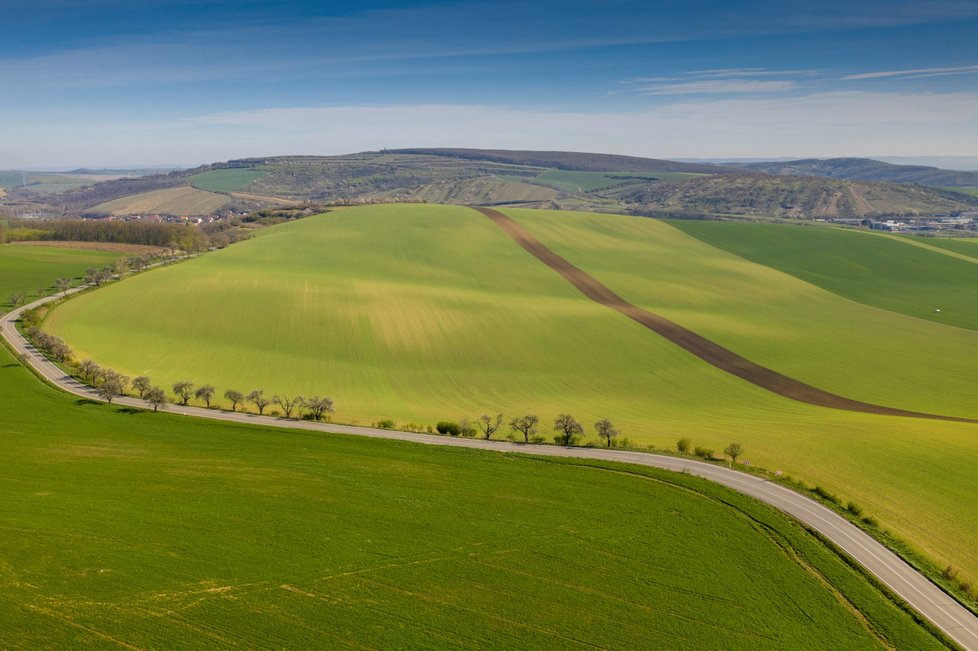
<point>914,73</point>
<point>720,87</point>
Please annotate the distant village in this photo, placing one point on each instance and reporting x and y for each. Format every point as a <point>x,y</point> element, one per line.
<point>951,223</point>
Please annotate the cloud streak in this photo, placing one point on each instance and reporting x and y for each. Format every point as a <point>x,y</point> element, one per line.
<point>914,73</point>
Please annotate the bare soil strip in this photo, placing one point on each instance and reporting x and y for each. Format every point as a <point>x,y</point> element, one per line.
<point>708,351</point>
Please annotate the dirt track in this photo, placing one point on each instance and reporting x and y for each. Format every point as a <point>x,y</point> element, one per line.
<point>708,351</point>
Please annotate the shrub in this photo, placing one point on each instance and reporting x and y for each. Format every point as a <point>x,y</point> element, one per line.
<point>683,445</point>
<point>855,509</point>
<point>448,427</point>
<point>871,521</point>
<point>387,423</point>
<point>825,495</point>
<point>705,453</point>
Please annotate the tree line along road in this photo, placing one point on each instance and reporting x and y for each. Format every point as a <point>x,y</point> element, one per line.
<point>942,610</point>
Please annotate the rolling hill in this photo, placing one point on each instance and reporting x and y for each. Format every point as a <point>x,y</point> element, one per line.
<point>556,180</point>
<point>865,169</point>
<point>426,313</point>
<point>147,530</point>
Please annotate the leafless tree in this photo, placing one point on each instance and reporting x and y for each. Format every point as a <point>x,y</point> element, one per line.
<point>287,404</point>
<point>205,393</point>
<point>606,430</point>
<point>156,397</point>
<point>89,371</point>
<point>489,424</point>
<point>258,397</point>
<point>113,384</point>
<point>320,407</point>
<point>184,391</point>
<point>235,397</point>
<point>568,429</point>
<point>142,385</point>
<point>17,298</point>
<point>525,425</point>
<point>63,285</point>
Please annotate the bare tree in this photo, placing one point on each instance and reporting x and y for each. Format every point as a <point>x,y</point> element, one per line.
<point>121,266</point>
<point>733,451</point>
<point>113,384</point>
<point>63,285</point>
<point>568,429</point>
<point>258,397</point>
<point>17,298</point>
<point>465,427</point>
<point>90,371</point>
<point>205,393</point>
<point>287,404</point>
<point>156,397</point>
<point>606,430</point>
<point>184,391</point>
<point>92,277</point>
<point>235,397</point>
<point>320,407</point>
<point>526,425</point>
<point>489,425</point>
<point>142,385</point>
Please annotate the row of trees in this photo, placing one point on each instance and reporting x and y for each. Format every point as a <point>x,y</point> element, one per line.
<point>316,407</point>
<point>734,450</point>
<point>568,429</point>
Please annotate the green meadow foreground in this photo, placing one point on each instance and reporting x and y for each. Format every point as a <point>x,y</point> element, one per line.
<point>427,313</point>
<point>125,528</point>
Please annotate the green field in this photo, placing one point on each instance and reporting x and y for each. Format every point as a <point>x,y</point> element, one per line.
<point>33,269</point>
<point>425,313</point>
<point>963,245</point>
<point>227,180</point>
<point>126,528</point>
<point>184,200</point>
<point>879,271</point>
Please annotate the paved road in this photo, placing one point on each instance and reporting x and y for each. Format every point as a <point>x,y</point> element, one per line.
<point>947,614</point>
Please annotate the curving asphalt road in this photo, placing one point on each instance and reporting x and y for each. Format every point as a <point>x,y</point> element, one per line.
<point>942,610</point>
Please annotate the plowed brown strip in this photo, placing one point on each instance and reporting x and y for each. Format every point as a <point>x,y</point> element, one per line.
<point>708,351</point>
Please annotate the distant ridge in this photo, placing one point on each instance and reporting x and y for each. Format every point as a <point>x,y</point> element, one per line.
<point>570,160</point>
<point>863,169</point>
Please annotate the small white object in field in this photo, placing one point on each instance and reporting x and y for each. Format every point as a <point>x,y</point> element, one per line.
<point>938,310</point>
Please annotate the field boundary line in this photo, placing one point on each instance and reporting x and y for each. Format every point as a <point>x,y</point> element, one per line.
<point>706,349</point>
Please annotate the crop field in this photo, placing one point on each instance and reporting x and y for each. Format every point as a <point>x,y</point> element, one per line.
<point>33,269</point>
<point>228,180</point>
<point>485,190</point>
<point>426,313</point>
<point>154,530</point>
<point>962,245</point>
<point>135,529</point>
<point>185,200</point>
<point>876,270</point>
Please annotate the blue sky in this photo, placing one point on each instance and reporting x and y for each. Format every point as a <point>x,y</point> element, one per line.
<point>108,83</point>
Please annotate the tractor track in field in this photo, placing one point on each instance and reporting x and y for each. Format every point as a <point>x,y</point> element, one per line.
<point>707,350</point>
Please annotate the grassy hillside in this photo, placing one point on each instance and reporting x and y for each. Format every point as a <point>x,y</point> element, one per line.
<point>185,200</point>
<point>795,197</point>
<point>569,160</point>
<point>488,190</point>
<point>864,267</point>
<point>963,245</point>
<point>153,530</point>
<point>866,169</point>
<point>34,269</point>
<point>225,180</point>
<point>425,313</point>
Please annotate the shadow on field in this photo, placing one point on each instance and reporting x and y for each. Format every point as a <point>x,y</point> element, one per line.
<point>81,402</point>
<point>11,365</point>
<point>129,410</point>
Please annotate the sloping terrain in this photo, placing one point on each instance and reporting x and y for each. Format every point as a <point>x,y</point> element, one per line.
<point>109,542</point>
<point>426,313</point>
<point>795,197</point>
<point>865,169</point>
<point>180,201</point>
<point>569,160</point>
